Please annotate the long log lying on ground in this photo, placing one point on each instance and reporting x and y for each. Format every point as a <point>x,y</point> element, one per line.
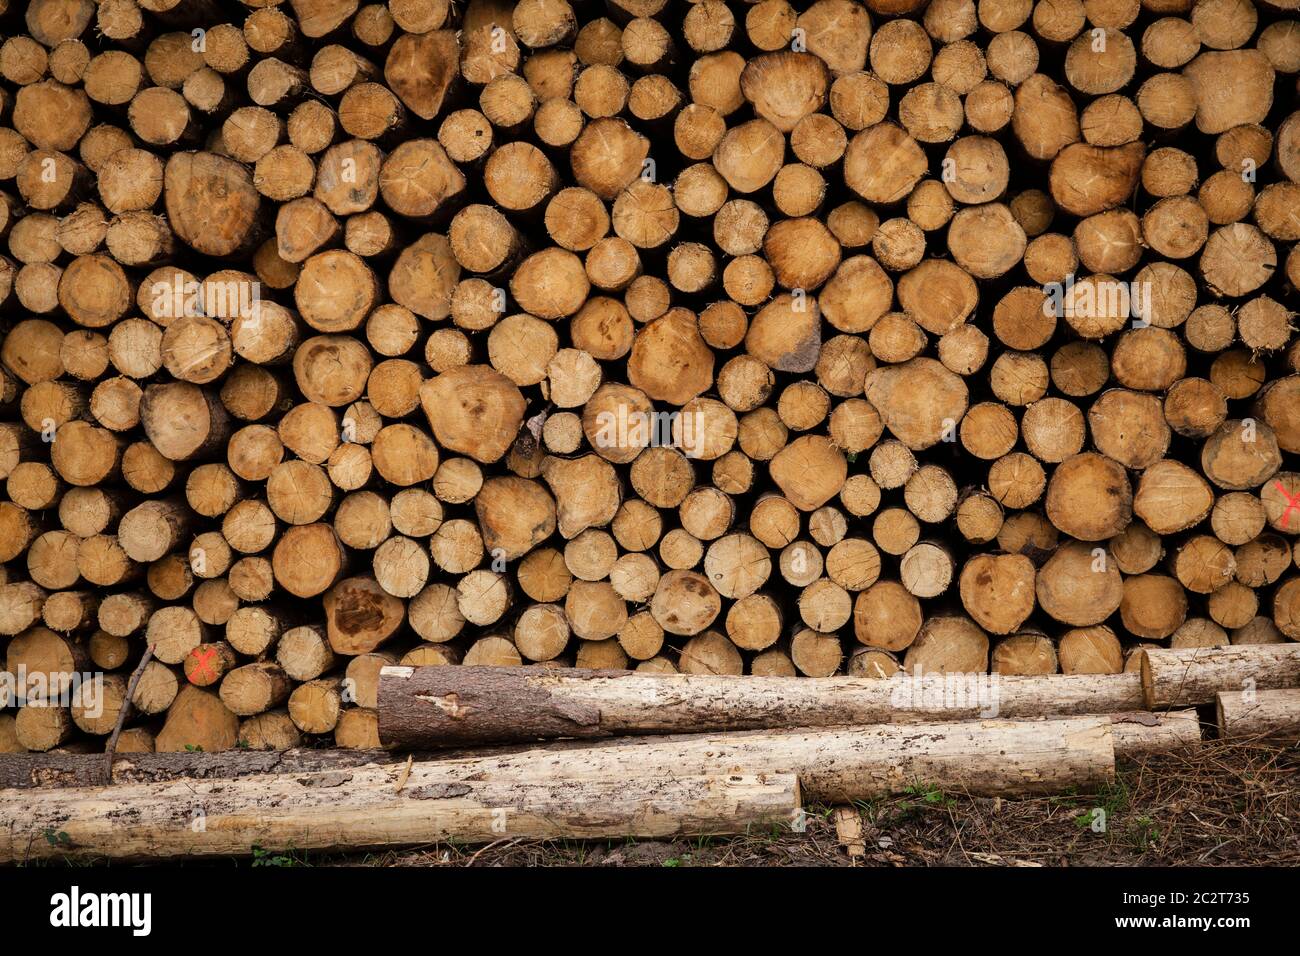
<point>1186,676</point>
<point>1265,715</point>
<point>834,766</point>
<point>848,763</point>
<point>328,811</point>
<point>426,707</point>
<point>1134,734</point>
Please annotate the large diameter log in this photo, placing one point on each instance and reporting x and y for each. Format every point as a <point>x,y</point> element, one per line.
<point>1265,715</point>
<point>368,809</point>
<point>1181,677</point>
<point>211,203</point>
<point>424,707</point>
<point>474,410</point>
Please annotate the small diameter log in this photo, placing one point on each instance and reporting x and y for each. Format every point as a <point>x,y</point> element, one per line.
<point>998,591</point>
<point>255,688</point>
<point>1187,676</point>
<point>1262,715</point>
<point>421,707</point>
<point>357,729</point>
<point>273,730</point>
<point>304,652</point>
<point>41,727</point>
<point>294,810</point>
<point>314,706</point>
<point>206,664</point>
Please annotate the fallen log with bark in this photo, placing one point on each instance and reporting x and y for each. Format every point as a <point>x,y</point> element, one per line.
<point>427,707</point>
<point>55,769</point>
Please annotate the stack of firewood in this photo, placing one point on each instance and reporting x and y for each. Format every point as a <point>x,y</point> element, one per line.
<point>716,338</point>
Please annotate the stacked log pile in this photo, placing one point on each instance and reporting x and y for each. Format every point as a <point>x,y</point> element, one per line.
<point>714,338</point>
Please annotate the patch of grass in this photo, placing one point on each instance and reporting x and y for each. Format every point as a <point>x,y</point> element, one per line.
<point>1116,797</point>
<point>289,857</point>
<point>61,840</point>
<point>872,810</point>
<point>1142,833</point>
<point>1086,819</point>
<point>928,795</point>
<point>1067,798</point>
<point>1107,805</point>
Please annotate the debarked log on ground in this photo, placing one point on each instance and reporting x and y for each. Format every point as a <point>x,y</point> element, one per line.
<point>575,791</point>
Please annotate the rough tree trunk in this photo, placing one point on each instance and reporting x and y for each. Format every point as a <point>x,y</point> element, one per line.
<point>425,707</point>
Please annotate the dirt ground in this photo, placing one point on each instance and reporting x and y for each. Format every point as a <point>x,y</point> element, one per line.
<point>1220,805</point>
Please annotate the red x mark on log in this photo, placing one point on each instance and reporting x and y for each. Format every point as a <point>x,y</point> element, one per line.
<point>1290,502</point>
<point>203,663</point>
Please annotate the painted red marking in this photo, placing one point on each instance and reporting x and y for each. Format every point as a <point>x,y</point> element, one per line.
<point>203,662</point>
<point>1290,502</point>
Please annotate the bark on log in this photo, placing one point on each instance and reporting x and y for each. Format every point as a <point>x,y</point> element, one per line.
<point>424,707</point>
<point>27,771</point>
